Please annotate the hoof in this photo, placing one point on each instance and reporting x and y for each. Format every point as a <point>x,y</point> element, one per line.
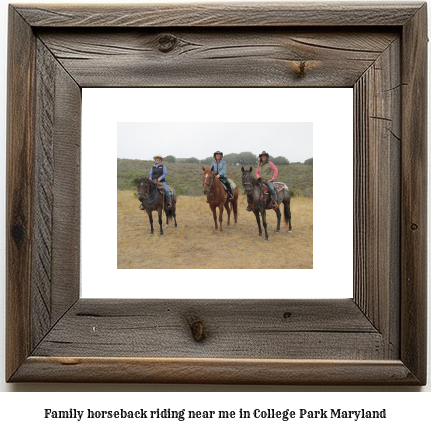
<point>290,231</point>
<point>220,234</point>
<point>266,239</point>
<point>276,232</point>
<point>166,225</point>
<point>161,234</point>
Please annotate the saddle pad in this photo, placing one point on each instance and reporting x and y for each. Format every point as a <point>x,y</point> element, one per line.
<point>232,184</point>
<point>280,186</point>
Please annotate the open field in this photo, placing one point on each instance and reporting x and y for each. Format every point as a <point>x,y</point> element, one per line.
<point>193,244</point>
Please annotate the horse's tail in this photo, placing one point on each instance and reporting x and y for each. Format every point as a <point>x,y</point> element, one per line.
<point>286,209</point>
<point>169,215</point>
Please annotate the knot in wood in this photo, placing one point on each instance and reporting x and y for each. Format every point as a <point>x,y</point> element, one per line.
<point>414,226</point>
<point>167,42</point>
<point>197,328</point>
<point>18,233</point>
<point>300,69</point>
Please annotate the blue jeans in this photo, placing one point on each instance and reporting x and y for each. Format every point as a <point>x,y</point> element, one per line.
<point>165,186</point>
<point>272,190</point>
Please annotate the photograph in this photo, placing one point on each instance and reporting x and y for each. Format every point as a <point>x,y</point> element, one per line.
<point>220,203</point>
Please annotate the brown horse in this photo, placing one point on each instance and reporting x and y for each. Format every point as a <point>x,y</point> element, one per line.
<point>153,200</point>
<point>218,197</point>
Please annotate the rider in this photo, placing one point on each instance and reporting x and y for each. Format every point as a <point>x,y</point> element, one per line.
<point>158,173</point>
<point>267,171</point>
<point>219,166</point>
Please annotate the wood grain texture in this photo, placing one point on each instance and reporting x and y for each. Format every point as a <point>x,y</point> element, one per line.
<point>377,101</point>
<point>57,193</point>
<point>215,371</point>
<point>220,15</point>
<point>414,229</point>
<point>378,337</point>
<point>268,329</point>
<point>20,171</point>
<point>216,58</point>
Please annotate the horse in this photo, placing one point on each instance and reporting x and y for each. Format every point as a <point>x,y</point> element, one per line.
<point>152,199</point>
<point>218,197</point>
<point>259,199</point>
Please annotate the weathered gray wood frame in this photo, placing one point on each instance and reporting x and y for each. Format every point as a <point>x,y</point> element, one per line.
<point>378,337</point>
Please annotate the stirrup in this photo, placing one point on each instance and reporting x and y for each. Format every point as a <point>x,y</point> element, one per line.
<point>248,208</point>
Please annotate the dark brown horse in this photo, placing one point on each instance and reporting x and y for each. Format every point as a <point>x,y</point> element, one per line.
<point>218,198</point>
<point>259,199</point>
<point>152,199</point>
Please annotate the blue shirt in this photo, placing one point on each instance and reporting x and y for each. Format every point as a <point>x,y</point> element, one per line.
<point>164,172</point>
<point>221,167</point>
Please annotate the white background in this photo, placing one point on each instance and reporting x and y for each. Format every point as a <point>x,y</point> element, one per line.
<point>406,408</point>
<point>332,274</point>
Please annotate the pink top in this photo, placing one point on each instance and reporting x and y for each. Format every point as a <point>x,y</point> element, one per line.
<point>272,167</point>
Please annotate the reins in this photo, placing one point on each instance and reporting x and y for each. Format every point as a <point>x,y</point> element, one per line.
<point>216,187</point>
<point>148,193</point>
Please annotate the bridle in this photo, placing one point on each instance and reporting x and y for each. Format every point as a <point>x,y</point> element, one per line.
<point>210,185</point>
<point>262,192</point>
<point>145,195</point>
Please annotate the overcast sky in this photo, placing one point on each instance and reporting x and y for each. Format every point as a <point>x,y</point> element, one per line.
<point>145,140</point>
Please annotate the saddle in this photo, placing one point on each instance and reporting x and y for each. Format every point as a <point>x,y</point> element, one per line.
<point>278,186</point>
<point>161,189</point>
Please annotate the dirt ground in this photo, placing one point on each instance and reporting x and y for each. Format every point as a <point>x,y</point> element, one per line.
<point>195,245</point>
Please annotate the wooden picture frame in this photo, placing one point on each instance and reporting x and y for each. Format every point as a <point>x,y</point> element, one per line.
<point>376,338</point>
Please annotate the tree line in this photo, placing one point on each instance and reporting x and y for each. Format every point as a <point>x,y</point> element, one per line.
<point>244,158</point>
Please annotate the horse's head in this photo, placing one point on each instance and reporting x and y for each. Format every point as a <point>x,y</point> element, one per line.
<point>143,188</point>
<point>208,180</point>
<point>247,180</point>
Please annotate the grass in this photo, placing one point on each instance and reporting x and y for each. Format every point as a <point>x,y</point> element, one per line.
<point>186,178</point>
<point>194,244</point>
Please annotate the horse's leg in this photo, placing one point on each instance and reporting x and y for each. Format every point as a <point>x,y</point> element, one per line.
<point>220,218</point>
<point>264,224</point>
<point>227,206</point>
<point>277,211</point>
<point>257,215</point>
<point>160,221</point>
<point>150,216</point>
<point>215,217</point>
<point>235,208</point>
<point>167,219</point>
